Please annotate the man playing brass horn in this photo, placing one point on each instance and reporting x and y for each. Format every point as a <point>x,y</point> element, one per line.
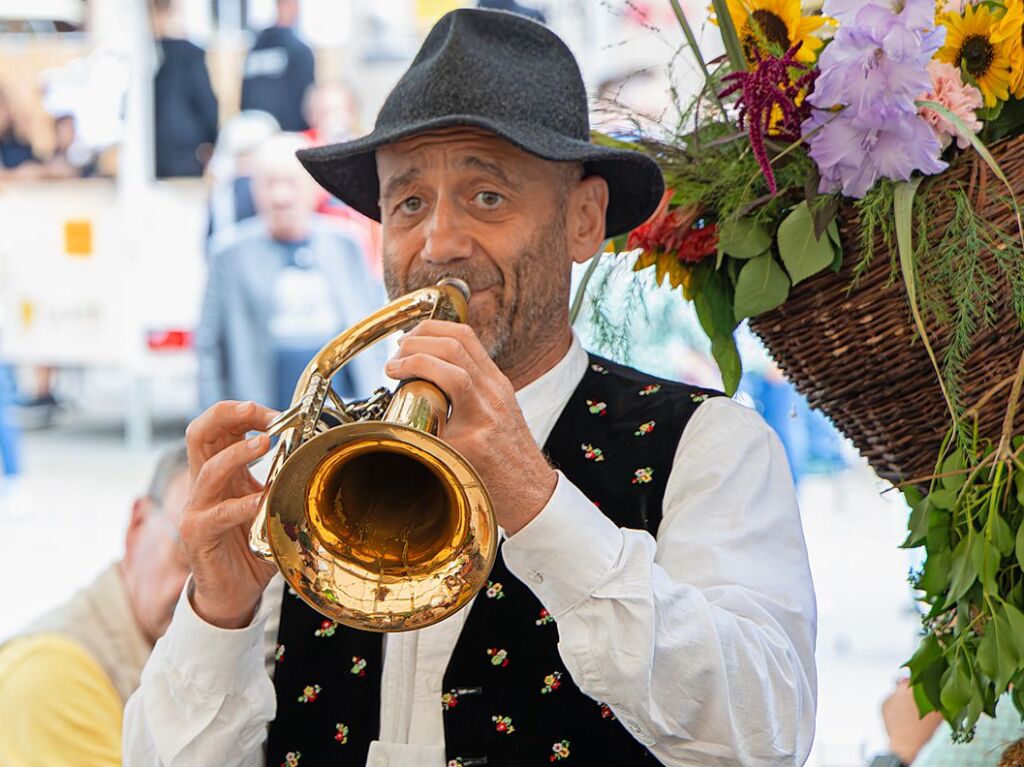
<point>651,599</point>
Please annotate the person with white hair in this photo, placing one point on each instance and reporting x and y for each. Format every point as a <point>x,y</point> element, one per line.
<point>281,285</point>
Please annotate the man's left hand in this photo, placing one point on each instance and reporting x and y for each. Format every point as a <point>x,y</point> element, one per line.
<point>486,424</point>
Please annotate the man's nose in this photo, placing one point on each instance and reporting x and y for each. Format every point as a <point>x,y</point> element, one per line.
<point>446,237</point>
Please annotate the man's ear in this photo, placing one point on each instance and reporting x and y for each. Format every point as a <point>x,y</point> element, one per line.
<point>588,204</point>
<point>141,509</point>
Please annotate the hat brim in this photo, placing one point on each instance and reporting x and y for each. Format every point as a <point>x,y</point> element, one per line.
<point>635,184</point>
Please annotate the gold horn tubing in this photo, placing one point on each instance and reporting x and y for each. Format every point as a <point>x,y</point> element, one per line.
<point>377,524</point>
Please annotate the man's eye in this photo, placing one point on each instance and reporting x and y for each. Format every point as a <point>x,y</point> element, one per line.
<point>489,199</point>
<point>411,205</point>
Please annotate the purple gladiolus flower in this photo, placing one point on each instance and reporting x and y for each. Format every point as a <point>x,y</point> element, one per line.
<point>853,153</point>
<point>875,67</point>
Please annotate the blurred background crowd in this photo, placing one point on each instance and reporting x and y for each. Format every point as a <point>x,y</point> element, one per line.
<point>161,249</point>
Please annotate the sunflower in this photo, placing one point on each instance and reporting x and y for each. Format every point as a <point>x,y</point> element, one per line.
<point>772,27</point>
<point>977,43</point>
<point>1011,29</point>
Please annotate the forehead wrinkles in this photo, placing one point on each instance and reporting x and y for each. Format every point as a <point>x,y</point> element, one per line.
<point>460,150</point>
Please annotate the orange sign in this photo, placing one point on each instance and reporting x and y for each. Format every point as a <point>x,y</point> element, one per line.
<point>78,237</point>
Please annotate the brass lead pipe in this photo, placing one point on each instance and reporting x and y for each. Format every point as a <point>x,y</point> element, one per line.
<point>380,525</point>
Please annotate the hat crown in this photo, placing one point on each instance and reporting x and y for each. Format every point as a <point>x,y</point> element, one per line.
<point>496,65</point>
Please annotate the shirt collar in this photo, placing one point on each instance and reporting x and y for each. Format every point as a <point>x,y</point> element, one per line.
<point>550,392</point>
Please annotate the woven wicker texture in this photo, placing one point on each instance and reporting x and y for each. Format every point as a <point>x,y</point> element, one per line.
<point>855,353</point>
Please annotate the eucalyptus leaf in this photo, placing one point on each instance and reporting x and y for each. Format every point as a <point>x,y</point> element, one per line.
<point>761,286</point>
<point>743,238</point>
<point>1019,545</point>
<point>803,253</point>
<point>1015,618</point>
<point>935,576</point>
<point>712,304</point>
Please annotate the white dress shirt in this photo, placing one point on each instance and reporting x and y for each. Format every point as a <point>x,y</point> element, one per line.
<point>701,642</point>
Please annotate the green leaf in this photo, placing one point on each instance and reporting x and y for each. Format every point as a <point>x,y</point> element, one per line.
<point>762,286</point>
<point>939,525</point>
<point>743,238</point>
<point>714,312</point>
<point>1019,545</point>
<point>942,498</point>
<point>935,576</point>
<point>988,653</point>
<point>1018,484</point>
<point>927,653</point>
<point>1002,536</point>
<point>1006,650</point>
<point>803,254</point>
<point>956,688</point>
<point>903,207</point>
<point>953,465</point>
<point>962,571</point>
<point>928,687</point>
<point>1015,619</point>
<point>917,525</point>
<point>731,40</point>
<point>985,558</point>
<point>833,233</point>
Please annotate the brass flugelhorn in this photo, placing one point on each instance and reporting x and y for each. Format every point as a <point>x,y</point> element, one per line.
<point>377,522</point>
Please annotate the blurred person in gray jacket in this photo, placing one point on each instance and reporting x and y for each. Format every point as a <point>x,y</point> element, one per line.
<point>281,285</point>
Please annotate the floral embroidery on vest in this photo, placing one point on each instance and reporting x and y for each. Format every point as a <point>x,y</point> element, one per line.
<point>498,656</point>
<point>650,389</point>
<point>597,408</point>
<point>309,693</point>
<point>606,712</point>
<point>327,629</point>
<point>449,700</point>
<point>598,369</point>
<point>358,666</point>
<point>342,733</point>
<point>456,762</point>
<point>642,476</point>
<point>291,759</point>
<point>592,453</point>
<point>279,653</point>
<point>551,682</point>
<point>699,397</point>
<point>544,618</point>
<point>644,429</point>
<point>503,724</point>
<point>494,590</point>
<point>559,751</point>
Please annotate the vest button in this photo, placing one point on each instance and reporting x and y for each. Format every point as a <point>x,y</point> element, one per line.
<point>536,577</point>
<point>434,683</point>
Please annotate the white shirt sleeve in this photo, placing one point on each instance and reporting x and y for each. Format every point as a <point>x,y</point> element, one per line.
<point>206,697</point>
<point>701,642</point>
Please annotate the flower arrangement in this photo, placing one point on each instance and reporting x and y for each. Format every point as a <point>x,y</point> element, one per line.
<point>812,108</point>
<point>853,107</point>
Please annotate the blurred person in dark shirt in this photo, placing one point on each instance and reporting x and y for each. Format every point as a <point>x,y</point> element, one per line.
<point>185,108</point>
<point>513,7</point>
<point>16,157</point>
<point>279,70</point>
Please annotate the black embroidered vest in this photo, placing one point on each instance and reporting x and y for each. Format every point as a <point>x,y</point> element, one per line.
<point>508,700</point>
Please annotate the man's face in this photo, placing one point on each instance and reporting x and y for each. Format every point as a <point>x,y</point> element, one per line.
<point>155,566</point>
<point>284,195</point>
<point>465,203</point>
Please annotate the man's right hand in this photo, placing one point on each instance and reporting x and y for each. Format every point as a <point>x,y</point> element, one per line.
<point>227,579</point>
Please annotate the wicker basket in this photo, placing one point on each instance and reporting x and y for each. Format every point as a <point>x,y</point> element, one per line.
<point>855,353</point>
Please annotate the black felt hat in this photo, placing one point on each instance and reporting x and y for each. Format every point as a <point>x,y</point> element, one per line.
<point>505,74</point>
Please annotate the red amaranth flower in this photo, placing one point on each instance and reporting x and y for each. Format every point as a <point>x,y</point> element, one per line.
<point>680,232</point>
<point>771,102</point>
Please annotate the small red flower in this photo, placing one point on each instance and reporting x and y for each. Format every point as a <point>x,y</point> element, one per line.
<point>680,231</point>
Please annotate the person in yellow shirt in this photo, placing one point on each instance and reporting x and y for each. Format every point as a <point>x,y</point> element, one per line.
<point>65,678</point>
